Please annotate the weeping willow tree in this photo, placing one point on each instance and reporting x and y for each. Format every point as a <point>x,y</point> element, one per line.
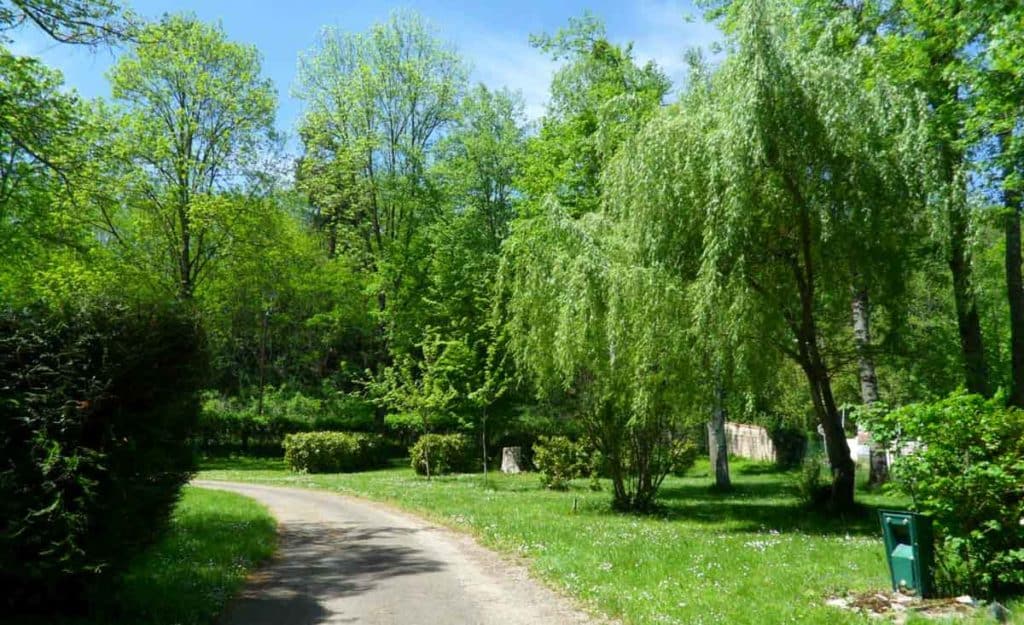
<point>778,183</point>
<point>605,337</point>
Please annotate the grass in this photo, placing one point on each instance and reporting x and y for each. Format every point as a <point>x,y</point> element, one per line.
<point>749,556</point>
<point>214,539</point>
<point>187,578</point>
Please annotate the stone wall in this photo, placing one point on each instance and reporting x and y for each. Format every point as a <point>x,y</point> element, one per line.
<point>750,441</point>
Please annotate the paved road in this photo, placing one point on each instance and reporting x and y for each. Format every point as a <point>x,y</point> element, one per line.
<point>346,560</point>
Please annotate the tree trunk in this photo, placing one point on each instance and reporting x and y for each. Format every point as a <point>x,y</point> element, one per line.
<point>878,466</point>
<point>1015,296</point>
<point>717,444</point>
<point>843,467</point>
<point>967,318</point>
<point>862,338</point>
<point>483,441</point>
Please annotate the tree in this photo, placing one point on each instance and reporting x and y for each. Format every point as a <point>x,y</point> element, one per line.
<point>377,105</point>
<point>199,119</point>
<point>606,340</point>
<point>88,22</point>
<point>599,97</point>
<point>770,184</point>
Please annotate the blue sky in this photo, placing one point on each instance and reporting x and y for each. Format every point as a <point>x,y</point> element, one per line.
<point>492,35</point>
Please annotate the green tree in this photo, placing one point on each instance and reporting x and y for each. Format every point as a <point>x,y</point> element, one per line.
<point>199,119</point>
<point>606,340</point>
<point>599,97</point>
<point>378,102</point>
<point>772,184</point>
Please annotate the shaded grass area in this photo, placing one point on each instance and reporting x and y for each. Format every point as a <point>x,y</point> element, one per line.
<point>214,539</point>
<point>753,555</point>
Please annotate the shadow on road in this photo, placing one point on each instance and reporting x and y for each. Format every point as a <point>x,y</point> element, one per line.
<point>318,560</point>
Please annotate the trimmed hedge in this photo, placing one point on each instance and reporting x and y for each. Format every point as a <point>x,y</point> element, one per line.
<point>448,453</point>
<point>96,411</point>
<point>332,452</point>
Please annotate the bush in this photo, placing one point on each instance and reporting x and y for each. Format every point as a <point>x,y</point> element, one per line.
<point>966,471</point>
<point>449,453</point>
<point>559,460</point>
<point>812,490</point>
<point>790,445</point>
<point>96,411</point>
<point>332,452</point>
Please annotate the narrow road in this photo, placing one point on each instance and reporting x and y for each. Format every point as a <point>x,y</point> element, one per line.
<point>346,560</point>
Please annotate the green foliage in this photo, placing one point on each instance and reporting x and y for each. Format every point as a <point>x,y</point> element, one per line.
<point>966,471</point>
<point>600,97</point>
<point>559,461</point>
<point>442,453</point>
<point>332,452</point>
<point>96,411</point>
<point>809,483</point>
<point>235,424</point>
<point>198,124</point>
<point>605,340</point>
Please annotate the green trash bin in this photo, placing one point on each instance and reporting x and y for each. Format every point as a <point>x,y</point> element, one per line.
<point>909,550</point>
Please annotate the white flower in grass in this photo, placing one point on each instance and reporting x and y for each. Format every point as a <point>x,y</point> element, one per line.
<point>605,566</point>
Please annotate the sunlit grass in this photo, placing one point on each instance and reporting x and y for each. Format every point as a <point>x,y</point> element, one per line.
<point>187,578</point>
<point>751,556</point>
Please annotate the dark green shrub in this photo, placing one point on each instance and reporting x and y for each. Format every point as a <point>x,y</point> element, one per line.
<point>559,461</point>
<point>332,452</point>
<point>96,411</point>
<point>967,472</point>
<point>448,453</point>
<point>790,445</point>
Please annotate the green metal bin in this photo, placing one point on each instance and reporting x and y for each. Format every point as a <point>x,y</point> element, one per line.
<point>909,550</point>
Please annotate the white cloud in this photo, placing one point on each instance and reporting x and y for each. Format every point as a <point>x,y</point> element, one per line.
<point>507,60</point>
<point>660,30</point>
<point>667,29</point>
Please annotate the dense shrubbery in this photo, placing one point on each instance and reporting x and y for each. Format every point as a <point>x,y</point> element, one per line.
<point>96,410</point>
<point>235,424</point>
<point>559,461</point>
<point>967,471</point>
<point>443,453</point>
<point>332,452</point>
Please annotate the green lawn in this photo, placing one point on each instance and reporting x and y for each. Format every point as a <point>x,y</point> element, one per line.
<point>751,556</point>
<point>215,539</point>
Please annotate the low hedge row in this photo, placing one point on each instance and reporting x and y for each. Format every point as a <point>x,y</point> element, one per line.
<point>332,452</point>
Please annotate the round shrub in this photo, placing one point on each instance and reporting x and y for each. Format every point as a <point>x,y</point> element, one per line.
<point>559,461</point>
<point>332,452</point>
<point>964,466</point>
<point>447,453</point>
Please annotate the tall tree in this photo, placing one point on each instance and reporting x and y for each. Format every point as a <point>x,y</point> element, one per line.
<point>782,171</point>
<point>199,119</point>
<point>599,97</point>
<point>378,102</point>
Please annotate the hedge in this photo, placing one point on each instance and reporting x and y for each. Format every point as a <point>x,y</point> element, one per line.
<point>447,453</point>
<point>96,411</point>
<point>230,424</point>
<point>332,452</point>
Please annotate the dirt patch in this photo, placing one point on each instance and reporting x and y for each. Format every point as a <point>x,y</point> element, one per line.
<point>896,607</point>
